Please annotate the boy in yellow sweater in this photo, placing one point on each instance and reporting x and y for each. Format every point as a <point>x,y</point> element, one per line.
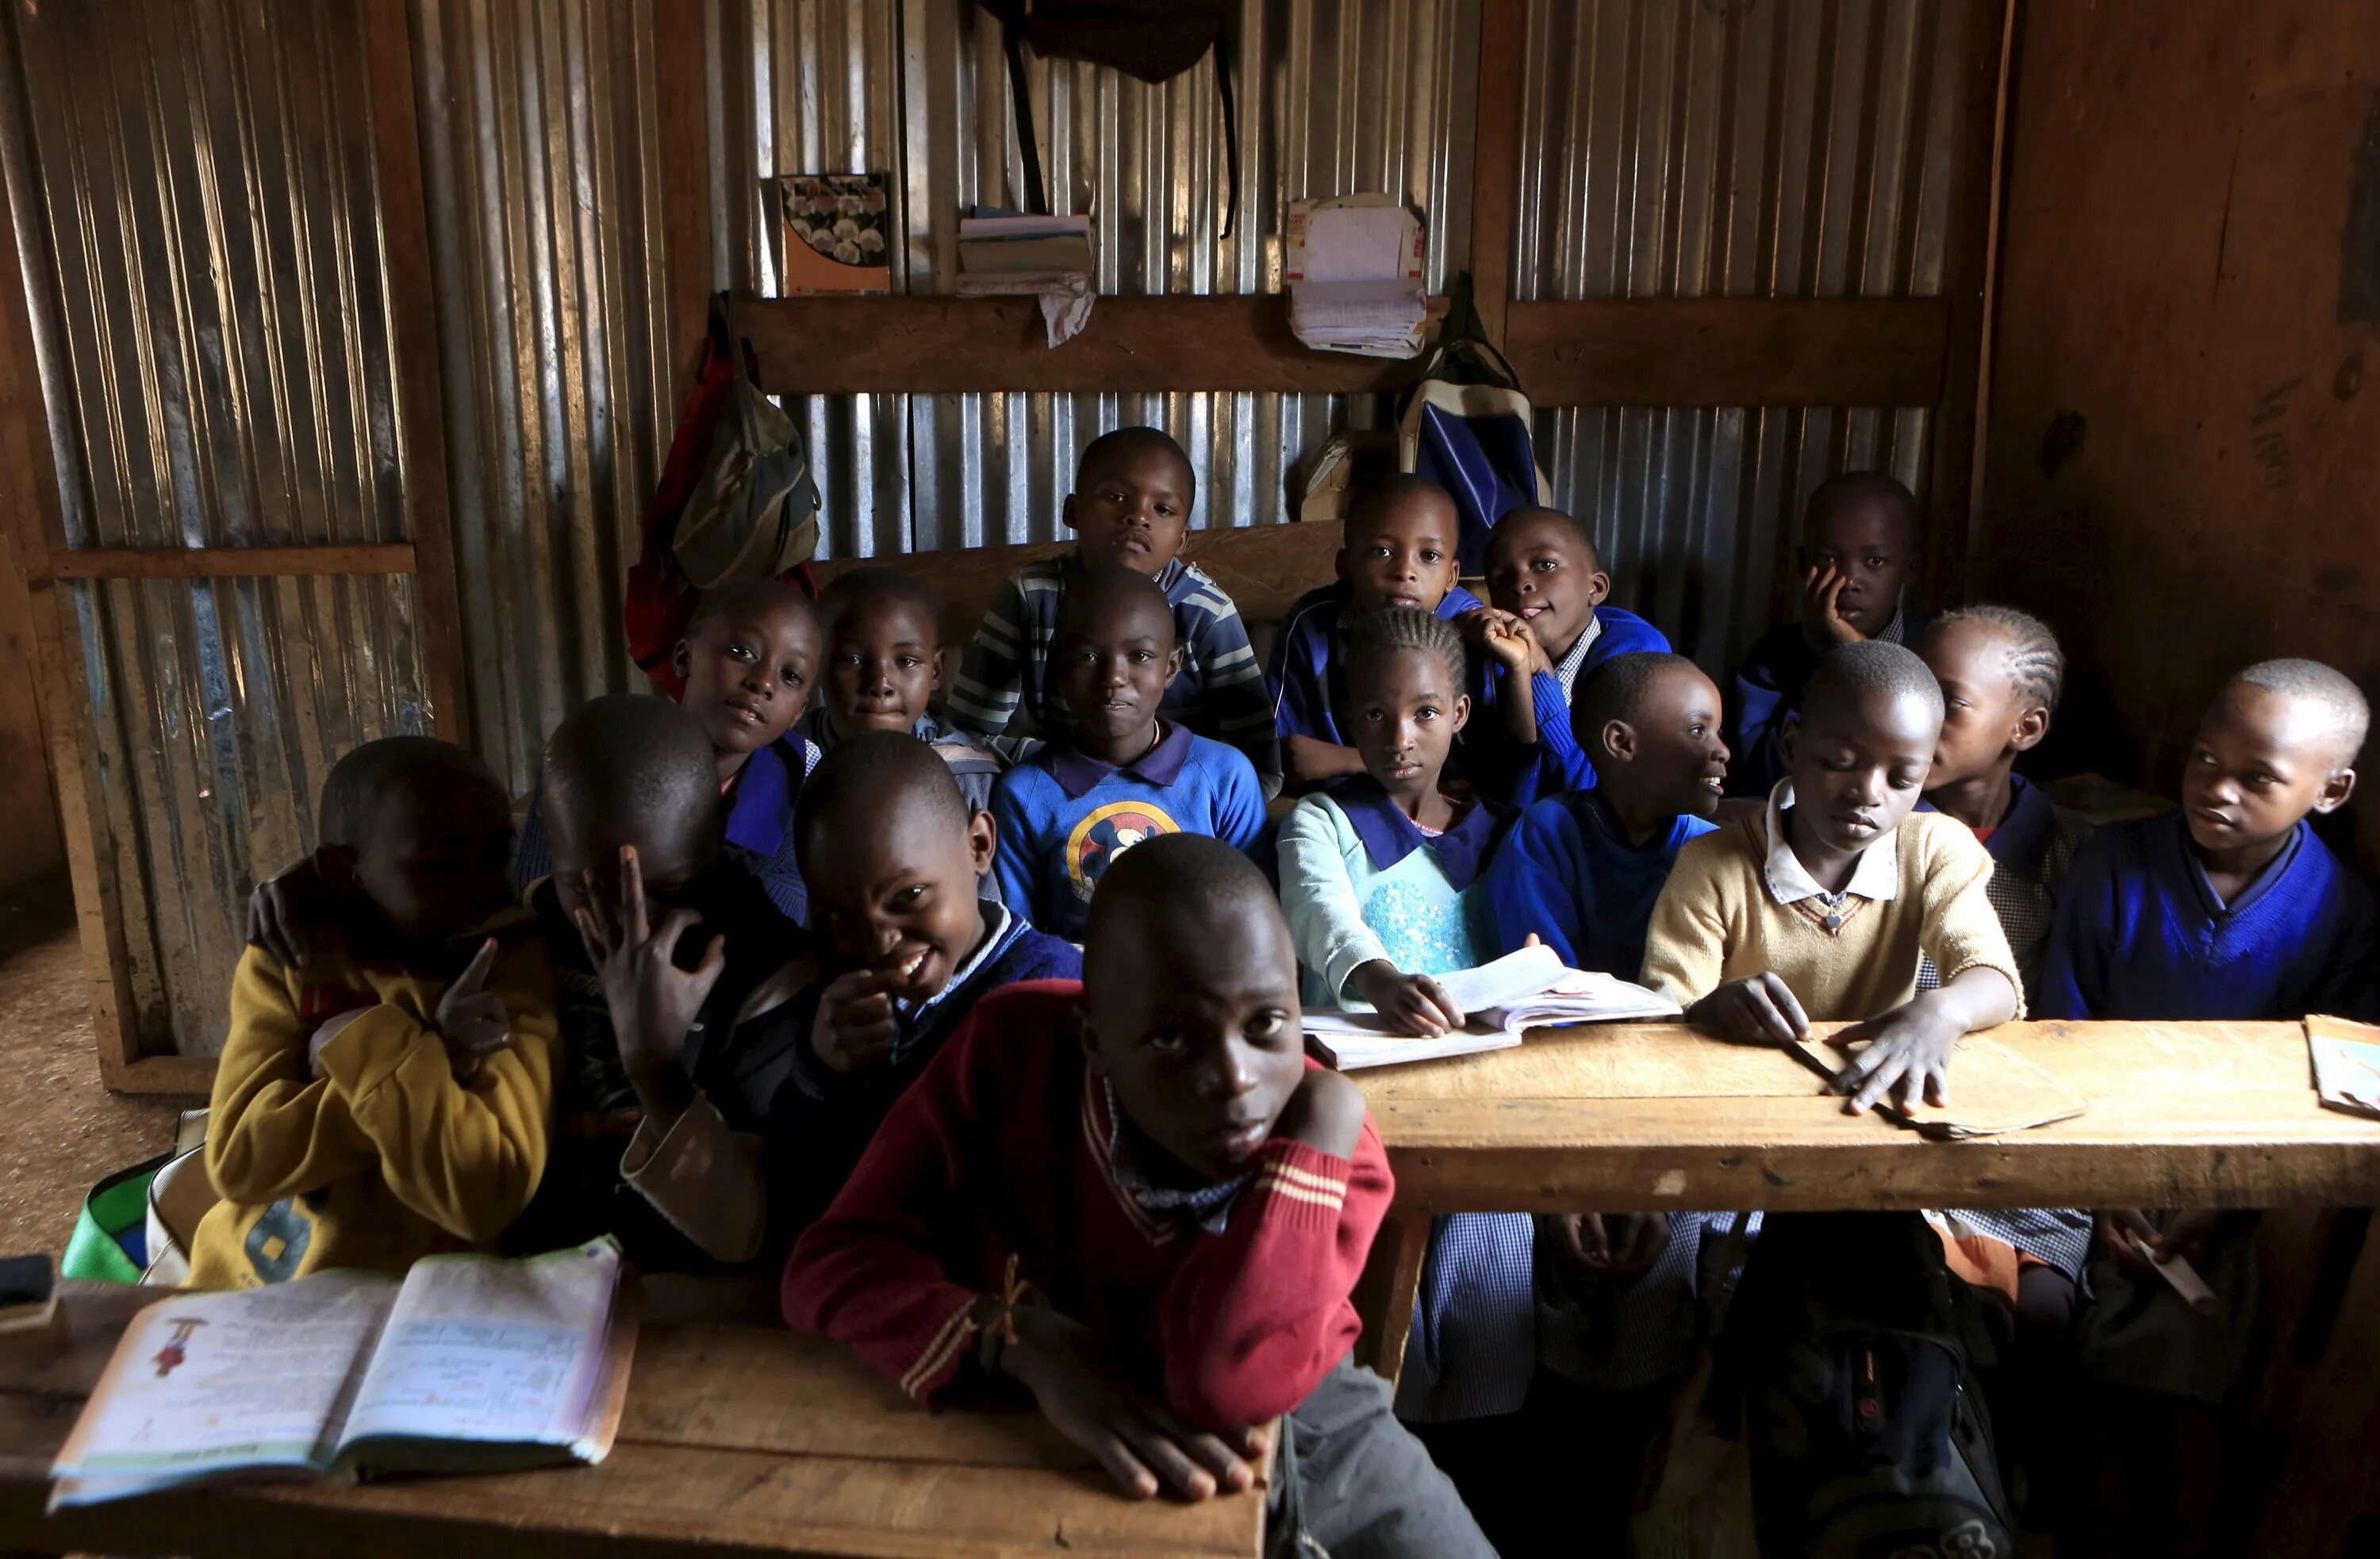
<point>1819,906</point>
<point>390,1101</point>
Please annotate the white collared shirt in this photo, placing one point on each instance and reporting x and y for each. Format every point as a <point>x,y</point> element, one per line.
<point>1876,877</point>
<point>1566,674</point>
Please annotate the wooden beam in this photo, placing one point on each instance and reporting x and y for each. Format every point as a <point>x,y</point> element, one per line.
<point>1496,158</point>
<point>167,1074</point>
<point>941,345</point>
<point>236,563</point>
<point>413,321</point>
<point>1730,352</point>
<point>1667,351</point>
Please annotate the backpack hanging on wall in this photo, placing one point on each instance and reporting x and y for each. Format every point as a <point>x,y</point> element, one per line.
<point>1466,426</point>
<point>1151,41</point>
<point>735,501</point>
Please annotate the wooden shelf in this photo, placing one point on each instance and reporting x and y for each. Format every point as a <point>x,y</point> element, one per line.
<point>1676,351</point>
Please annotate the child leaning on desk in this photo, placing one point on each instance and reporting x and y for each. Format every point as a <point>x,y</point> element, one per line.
<point>1135,1197</point>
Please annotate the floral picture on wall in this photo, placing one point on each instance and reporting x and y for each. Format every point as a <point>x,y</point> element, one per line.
<point>838,232</point>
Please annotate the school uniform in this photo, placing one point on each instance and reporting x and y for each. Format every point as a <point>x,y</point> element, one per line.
<point>760,824</point>
<point>1360,881</point>
<point>2140,933</point>
<point>612,1171</point>
<point>976,770</point>
<point>1064,817</point>
<point>1005,672</point>
<point>1569,874</point>
<point>1007,1170</point>
<point>822,1119</point>
<point>1308,669</point>
<point>1769,688</point>
<point>2031,848</point>
<point>385,1156</point>
<point>1554,763</point>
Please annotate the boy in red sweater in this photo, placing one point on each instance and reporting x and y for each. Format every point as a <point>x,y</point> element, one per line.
<point>1135,1197</point>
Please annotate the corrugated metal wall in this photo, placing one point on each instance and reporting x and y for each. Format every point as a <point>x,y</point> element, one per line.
<point>540,167</point>
<point>1740,148</point>
<point>212,318</point>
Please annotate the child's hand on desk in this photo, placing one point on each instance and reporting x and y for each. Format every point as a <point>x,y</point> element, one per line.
<point>1416,1001</point>
<point>294,918</point>
<point>470,1018</point>
<point>1756,1010</point>
<point>1825,625</point>
<point>653,1001</point>
<point>853,1028</point>
<point>1908,1056</point>
<point>1143,1446</point>
<point>1609,1244</point>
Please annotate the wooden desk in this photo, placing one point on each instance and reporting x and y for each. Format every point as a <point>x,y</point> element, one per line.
<point>1659,1117</point>
<point>737,1440</point>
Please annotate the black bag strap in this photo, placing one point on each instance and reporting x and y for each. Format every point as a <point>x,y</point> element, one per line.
<point>1037,200</point>
<point>1231,132</point>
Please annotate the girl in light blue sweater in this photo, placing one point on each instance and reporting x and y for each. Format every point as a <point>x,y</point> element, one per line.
<point>1383,882</point>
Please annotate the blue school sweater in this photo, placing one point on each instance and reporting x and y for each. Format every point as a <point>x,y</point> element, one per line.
<point>1769,688</point>
<point>2140,933</point>
<point>760,825</point>
<point>1308,658</point>
<point>2031,850</point>
<point>1554,763</point>
<point>1568,873</point>
<point>1064,817</point>
<point>1005,670</point>
<point>822,1119</point>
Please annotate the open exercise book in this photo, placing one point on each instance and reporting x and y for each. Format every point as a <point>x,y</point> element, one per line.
<point>1503,1000</point>
<point>471,1364</point>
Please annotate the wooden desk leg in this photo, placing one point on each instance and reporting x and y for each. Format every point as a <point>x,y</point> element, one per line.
<point>1384,1298</point>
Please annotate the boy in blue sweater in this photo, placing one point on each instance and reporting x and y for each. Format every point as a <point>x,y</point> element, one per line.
<point>883,666</point>
<point>1543,572</point>
<point>1859,541</point>
<point>2228,909</point>
<point>1581,872</point>
<point>1122,774</point>
<point>1398,550</point>
<point>1130,508</point>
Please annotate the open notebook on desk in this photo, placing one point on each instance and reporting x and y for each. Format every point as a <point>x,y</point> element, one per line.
<point>470,1364</point>
<point>1503,1000</point>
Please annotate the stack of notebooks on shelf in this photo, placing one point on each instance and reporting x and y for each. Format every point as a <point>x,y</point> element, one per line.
<point>1353,265</point>
<point>1503,1000</point>
<point>1004,254</point>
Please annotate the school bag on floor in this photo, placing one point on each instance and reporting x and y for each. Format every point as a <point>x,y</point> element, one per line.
<point>1466,426</point>
<point>1857,1360</point>
<point>735,501</point>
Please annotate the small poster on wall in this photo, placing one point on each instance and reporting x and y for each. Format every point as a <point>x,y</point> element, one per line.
<point>838,232</point>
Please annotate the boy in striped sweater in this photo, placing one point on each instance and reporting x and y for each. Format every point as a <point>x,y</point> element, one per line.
<point>1134,489</point>
<point>1134,1198</point>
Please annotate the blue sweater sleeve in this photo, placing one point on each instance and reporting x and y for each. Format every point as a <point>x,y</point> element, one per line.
<point>533,854</point>
<point>1533,884</point>
<point>1236,700</point>
<point>1014,860</point>
<point>1298,705</point>
<point>2074,965</point>
<point>1239,802</point>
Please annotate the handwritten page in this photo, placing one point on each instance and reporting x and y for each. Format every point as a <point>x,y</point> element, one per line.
<point>478,1348</point>
<point>208,1383</point>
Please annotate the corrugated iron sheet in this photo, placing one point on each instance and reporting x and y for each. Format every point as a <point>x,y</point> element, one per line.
<point>1332,97</point>
<point>1740,148</point>
<point>541,170</point>
<point>200,230</point>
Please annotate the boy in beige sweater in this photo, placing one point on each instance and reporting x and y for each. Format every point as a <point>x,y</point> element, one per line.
<point>1820,908</point>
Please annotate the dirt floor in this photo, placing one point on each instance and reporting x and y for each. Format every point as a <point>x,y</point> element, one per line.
<point>60,1131</point>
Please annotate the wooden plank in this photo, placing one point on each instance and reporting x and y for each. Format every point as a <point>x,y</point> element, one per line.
<point>36,527</point>
<point>1263,568</point>
<point>943,346</point>
<point>1384,1296</point>
<point>413,319</point>
<point>1496,158</point>
<point>166,1075</point>
<point>2329,1483</point>
<point>1981,82</point>
<point>1661,351</point>
<point>1730,352</point>
<point>233,563</point>
<point>735,1440</point>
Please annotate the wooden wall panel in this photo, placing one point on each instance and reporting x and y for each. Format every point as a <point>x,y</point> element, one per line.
<point>2183,454</point>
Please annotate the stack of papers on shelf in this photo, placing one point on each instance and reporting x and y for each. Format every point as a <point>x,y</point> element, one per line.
<point>1353,265</point>
<point>2346,1064</point>
<point>1047,256</point>
<point>1503,1000</point>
